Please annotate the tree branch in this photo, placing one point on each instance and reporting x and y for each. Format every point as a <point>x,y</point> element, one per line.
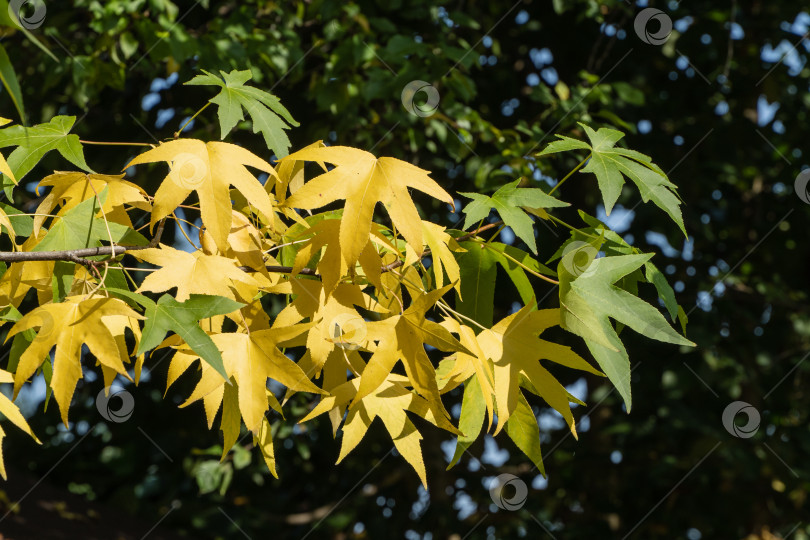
<point>78,255</point>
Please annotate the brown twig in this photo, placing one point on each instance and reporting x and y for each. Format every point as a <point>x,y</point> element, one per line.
<point>78,255</point>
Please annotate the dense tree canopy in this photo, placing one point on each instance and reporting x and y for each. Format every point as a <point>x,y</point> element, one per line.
<point>472,92</point>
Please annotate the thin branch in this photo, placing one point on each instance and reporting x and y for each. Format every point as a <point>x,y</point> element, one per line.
<point>78,255</point>
<point>117,143</point>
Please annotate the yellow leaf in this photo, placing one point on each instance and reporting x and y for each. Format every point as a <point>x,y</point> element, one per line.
<point>291,174</point>
<point>71,188</point>
<point>250,317</point>
<point>265,444</point>
<point>209,169</point>
<point>336,312</point>
<point>10,411</point>
<point>118,324</point>
<point>211,402</point>
<point>389,402</point>
<point>363,181</point>
<point>67,326</point>
<point>231,419</point>
<point>5,222</point>
<point>195,273</point>
<point>5,169</point>
<point>441,244</point>
<point>465,365</point>
<point>251,359</point>
<point>332,266</point>
<point>402,338</point>
<point>20,277</point>
<point>515,348</point>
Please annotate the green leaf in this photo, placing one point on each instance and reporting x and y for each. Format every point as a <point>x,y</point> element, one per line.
<point>79,228</point>
<point>477,272</point>
<point>23,224</point>
<point>611,164</point>
<point>508,201</point>
<point>183,319</point>
<point>10,313</point>
<point>19,343</point>
<point>524,431</point>
<point>588,298</point>
<point>264,108</point>
<point>10,83</point>
<point>47,373</point>
<point>473,409</point>
<point>34,142</point>
<point>509,257</point>
<point>115,279</point>
<point>565,144</point>
<point>616,245</point>
<point>665,292</point>
<point>62,279</point>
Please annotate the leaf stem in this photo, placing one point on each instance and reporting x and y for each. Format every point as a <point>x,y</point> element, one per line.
<point>580,231</point>
<point>567,176</point>
<point>494,236</point>
<point>116,143</point>
<point>177,133</point>
<point>520,264</point>
<point>443,305</point>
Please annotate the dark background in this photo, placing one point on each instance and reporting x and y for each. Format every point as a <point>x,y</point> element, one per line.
<point>721,106</point>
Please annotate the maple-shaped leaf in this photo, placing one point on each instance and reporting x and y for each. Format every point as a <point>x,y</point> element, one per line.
<point>20,277</point>
<point>580,252</point>
<point>34,142</point>
<point>390,401</point>
<point>10,411</point>
<point>68,326</point>
<point>195,273</point>
<point>442,246</point>
<point>509,201</point>
<point>265,109</point>
<point>587,301</point>
<point>71,188</point>
<point>516,350</point>
<point>402,337</point>
<point>182,318</point>
<point>332,266</point>
<point>208,169</point>
<point>226,396</point>
<point>363,181</point>
<point>251,359</point>
<point>80,228</point>
<point>611,163</point>
<point>336,322</point>
<point>245,244</point>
